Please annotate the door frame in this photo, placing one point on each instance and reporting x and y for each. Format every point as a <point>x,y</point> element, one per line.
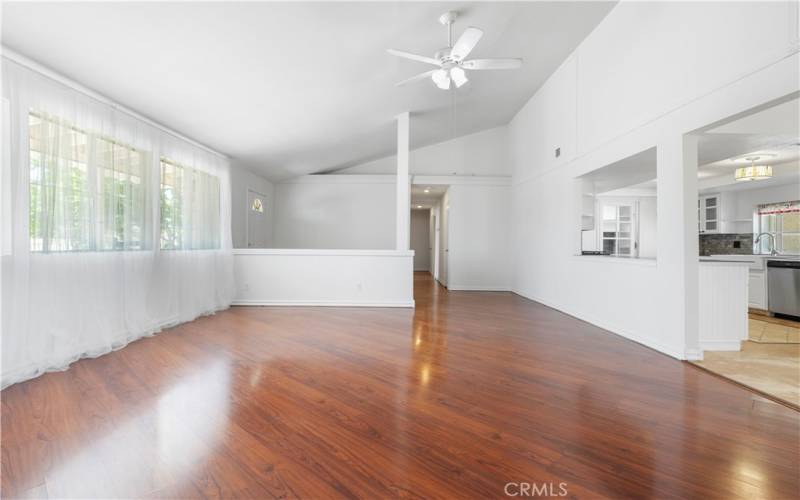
<point>247,213</point>
<point>435,251</point>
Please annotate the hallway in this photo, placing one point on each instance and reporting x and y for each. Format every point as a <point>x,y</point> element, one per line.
<point>458,398</point>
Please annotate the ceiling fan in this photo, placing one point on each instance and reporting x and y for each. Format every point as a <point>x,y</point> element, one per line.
<point>450,60</point>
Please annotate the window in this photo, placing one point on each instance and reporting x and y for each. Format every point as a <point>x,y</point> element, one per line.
<point>782,221</point>
<point>121,189</point>
<point>618,234</point>
<point>190,208</point>
<point>86,192</point>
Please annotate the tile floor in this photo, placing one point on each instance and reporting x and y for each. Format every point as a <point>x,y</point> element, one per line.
<point>769,332</point>
<point>768,362</point>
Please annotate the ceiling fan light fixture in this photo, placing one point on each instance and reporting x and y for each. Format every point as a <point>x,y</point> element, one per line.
<point>459,76</point>
<point>450,62</point>
<point>441,79</point>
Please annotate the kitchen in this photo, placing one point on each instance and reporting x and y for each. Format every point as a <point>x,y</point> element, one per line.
<point>749,232</point>
<point>748,229</point>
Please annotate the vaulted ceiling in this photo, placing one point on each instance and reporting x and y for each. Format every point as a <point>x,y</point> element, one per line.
<point>290,88</point>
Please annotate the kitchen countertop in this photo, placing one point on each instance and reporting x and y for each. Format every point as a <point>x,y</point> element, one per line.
<point>747,258</point>
<point>727,262</point>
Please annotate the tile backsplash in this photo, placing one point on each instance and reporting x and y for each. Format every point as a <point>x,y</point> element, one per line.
<point>726,243</point>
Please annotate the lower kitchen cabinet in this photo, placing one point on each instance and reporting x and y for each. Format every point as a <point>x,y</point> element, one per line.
<point>757,290</point>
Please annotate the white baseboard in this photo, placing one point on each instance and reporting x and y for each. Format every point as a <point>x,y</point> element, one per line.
<point>616,330</point>
<point>321,303</point>
<point>694,355</point>
<point>478,288</point>
<point>720,345</point>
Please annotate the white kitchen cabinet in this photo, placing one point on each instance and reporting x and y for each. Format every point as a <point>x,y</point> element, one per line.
<point>757,297</point>
<point>716,213</point>
<point>709,211</point>
<point>587,211</point>
<point>757,290</point>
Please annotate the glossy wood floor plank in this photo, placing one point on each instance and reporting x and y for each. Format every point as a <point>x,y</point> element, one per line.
<point>455,399</point>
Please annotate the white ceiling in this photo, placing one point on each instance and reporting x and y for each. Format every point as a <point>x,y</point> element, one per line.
<point>626,173</point>
<point>774,131</point>
<point>295,88</point>
<point>424,196</point>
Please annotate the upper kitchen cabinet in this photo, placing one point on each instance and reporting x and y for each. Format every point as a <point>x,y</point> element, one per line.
<point>716,213</point>
<point>708,213</point>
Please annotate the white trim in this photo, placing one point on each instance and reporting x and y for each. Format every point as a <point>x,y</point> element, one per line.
<point>478,288</point>
<point>621,332</point>
<point>323,252</point>
<point>321,303</point>
<point>341,179</point>
<point>720,345</point>
<point>694,355</point>
<point>451,180</point>
<point>609,259</point>
<point>628,193</point>
<point>18,58</point>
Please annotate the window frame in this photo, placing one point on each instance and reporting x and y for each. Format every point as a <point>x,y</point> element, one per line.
<point>762,247</point>
<point>217,242</point>
<point>93,195</point>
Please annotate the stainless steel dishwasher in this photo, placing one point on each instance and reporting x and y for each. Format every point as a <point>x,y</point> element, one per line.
<point>784,286</point>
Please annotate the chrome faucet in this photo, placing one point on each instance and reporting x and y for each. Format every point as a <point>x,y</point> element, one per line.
<point>772,236</point>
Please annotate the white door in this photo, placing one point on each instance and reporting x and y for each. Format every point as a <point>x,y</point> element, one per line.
<point>256,219</point>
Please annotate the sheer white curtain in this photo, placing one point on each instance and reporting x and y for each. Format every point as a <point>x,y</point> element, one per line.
<point>112,228</point>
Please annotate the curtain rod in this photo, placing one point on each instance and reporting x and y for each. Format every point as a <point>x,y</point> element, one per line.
<point>16,57</point>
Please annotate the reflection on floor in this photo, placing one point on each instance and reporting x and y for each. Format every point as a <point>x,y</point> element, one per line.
<point>773,369</point>
<point>459,398</point>
<point>766,330</point>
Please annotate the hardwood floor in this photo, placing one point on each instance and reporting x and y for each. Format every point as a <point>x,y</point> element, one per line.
<point>456,399</point>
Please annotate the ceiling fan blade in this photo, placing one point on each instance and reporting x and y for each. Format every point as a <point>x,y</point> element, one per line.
<point>416,78</point>
<point>492,64</point>
<point>466,42</point>
<point>413,57</point>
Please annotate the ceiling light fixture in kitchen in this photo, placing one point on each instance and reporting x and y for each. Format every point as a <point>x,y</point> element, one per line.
<point>753,172</point>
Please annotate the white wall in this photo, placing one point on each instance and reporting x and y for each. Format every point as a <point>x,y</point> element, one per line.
<point>421,241</point>
<point>478,237</point>
<point>648,58</point>
<point>649,73</point>
<point>482,153</point>
<point>335,211</point>
<point>324,277</point>
<point>746,201</point>
<point>648,227</point>
<point>243,179</point>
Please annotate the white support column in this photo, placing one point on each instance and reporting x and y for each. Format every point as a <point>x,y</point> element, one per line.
<point>403,185</point>
<point>678,262</point>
